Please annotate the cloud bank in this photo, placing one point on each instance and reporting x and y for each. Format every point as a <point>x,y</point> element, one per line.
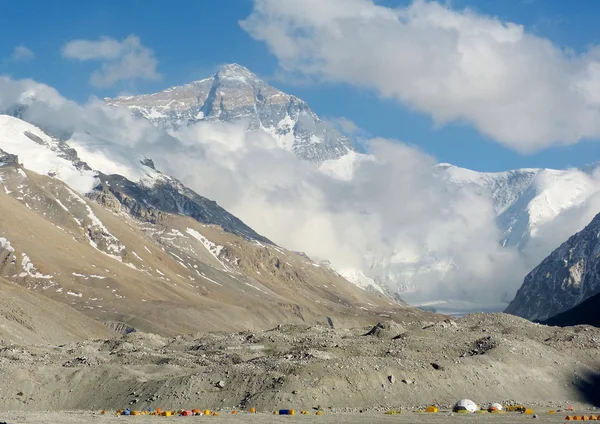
<point>455,65</point>
<point>121,60</point>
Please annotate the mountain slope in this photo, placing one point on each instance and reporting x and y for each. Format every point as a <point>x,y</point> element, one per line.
<point>235,94</point>
<point>30,318</point>
<point>586,313</point>
<point>154,255</point>
<point>45,155</point>
<point>570,275</point>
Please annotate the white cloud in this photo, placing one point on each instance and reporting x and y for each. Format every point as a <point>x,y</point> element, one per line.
<point>121,60</point>
<point>513,86</point>
<point>346,125</point>
<point>393,219</point>
<point>22,54</point>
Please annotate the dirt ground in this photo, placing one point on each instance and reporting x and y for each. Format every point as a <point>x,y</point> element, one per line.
<point>67,417</point>
<point>483,357</point>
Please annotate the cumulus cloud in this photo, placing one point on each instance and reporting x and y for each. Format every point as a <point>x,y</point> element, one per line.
<point>394,223</point>
<point>394,220</point>
<point>121,60</point>
<point>455,65</point>
<point>21,54</point>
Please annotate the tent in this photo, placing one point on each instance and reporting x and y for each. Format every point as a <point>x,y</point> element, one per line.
<point>465,405</point>
<point>495,406</point>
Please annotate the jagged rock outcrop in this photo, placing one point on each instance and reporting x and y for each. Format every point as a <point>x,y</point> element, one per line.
<point>569,276</point>
<point>167,196</point>
<point>8,159</point>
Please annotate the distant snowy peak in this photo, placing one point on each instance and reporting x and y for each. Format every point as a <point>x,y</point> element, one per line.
<point>235,94</point>
<point>525,199</point>
<point>505,187</point>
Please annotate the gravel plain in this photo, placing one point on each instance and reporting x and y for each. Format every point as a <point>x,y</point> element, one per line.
<point>483,357</point>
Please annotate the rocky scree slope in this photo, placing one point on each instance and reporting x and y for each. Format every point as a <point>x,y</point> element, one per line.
<point>570,275</point>
<point>152,255</point>
<point>28,318</point>
<point>235,94</point>
<point>485,357</point>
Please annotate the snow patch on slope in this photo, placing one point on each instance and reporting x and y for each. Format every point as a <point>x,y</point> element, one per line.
<point>113,245</point>
<point>5,244</point>
<point>39,158</point>
<point>30,270</point>
<point>214,249</point>
<point>359,278</point>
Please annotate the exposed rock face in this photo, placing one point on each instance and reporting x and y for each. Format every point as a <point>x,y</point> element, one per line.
<point>152,204</point>
<point>570,275</point>
<point>235,94</point>
<point>8,159</point>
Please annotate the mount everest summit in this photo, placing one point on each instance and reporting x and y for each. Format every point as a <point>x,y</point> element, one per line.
<point>233,94</point>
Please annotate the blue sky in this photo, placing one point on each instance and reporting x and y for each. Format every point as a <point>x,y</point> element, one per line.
<point>191,38</point>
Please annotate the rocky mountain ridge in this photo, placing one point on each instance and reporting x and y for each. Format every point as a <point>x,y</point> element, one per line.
<point>567,277</point>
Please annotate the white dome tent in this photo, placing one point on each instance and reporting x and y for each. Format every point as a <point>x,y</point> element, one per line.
<point>466,405</point>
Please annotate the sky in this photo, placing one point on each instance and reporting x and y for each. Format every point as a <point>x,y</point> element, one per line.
<point>189,40</point>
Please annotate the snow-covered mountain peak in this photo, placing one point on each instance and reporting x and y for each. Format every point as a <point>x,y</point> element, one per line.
<point>235,94</point>
<point>235,71</point>
<point>525,199</point>
<point>460,175</point>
